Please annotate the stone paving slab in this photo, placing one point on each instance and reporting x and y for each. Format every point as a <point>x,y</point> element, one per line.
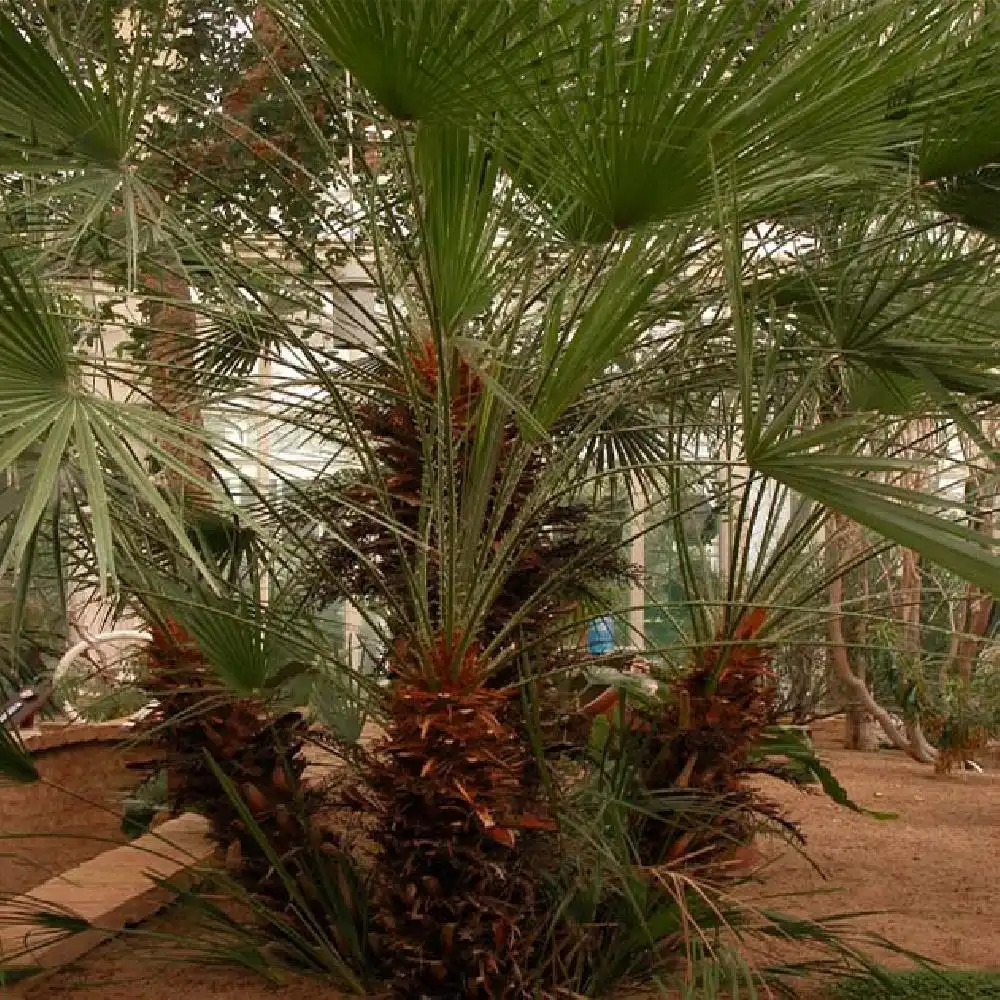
<point>54,735</point>
<point>111,891</point>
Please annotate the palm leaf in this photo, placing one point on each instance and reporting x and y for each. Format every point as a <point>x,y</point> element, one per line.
<point>900,519</point>
<point>70,127</point>
<point>46,407</point>
<point>15,761</point>
<point>437,59</point>
<point>51,119</point>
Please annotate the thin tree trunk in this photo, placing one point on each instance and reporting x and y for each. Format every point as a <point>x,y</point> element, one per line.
<point>910,589</point>
<point>840,655</point>
<point>918,746</point>
<point>978,608</point>
<point>911,600</point>
<point>840,658</point>
<point>977,605</point>
<point>959,625</point>
<point>910,582</point>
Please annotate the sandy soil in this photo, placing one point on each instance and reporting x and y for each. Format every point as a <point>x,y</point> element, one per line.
<point>934,868</point>
<point>75,810</point>
<point>133,967</point>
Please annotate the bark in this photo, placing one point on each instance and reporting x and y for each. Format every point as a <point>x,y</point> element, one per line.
<point>977,605</point>
<point>909,604</point>
<point>172,320</point>
<point>959,626</point>
<point>855,685</point>
<point>172,326</point>
<point>978,609</point>
<point>918,746</point>
<point>860,729</point>
<point>910,583</point>
<point>910,645</point>
<point>909,611</point>
<point>840,656</point>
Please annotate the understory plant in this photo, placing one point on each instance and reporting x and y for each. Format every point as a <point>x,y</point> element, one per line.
<point>439,308</point>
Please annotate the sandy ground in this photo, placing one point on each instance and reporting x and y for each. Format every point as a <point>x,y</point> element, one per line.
<point>75,813</point>
<point>934,869</point>
<point>134,968</point>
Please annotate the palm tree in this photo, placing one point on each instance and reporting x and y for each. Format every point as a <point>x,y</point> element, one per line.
<point>873,281</point>
<point>554,210</point>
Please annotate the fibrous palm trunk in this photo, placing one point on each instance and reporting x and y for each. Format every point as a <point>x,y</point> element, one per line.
<point>260,757</point>
<point>454,787</point>
<point>703,741</point>
<point>448,784</point>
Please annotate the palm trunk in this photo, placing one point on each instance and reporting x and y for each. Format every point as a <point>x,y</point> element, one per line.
<point>172,320</point>
<point>172,326</point>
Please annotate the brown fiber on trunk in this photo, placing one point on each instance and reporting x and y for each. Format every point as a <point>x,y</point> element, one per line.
<point>460,826</point>
<point>454,889</point>
<point>173,386</point>
<point>261,754</point>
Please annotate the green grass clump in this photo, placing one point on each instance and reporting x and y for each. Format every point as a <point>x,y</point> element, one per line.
<point>944,984</point>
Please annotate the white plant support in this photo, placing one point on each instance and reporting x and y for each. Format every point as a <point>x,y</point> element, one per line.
<point>86,643</point>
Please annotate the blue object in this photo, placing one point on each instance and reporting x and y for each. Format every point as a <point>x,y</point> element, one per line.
<point>601,636</point>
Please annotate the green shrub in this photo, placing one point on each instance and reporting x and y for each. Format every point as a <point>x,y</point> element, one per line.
<point>924,984</point>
